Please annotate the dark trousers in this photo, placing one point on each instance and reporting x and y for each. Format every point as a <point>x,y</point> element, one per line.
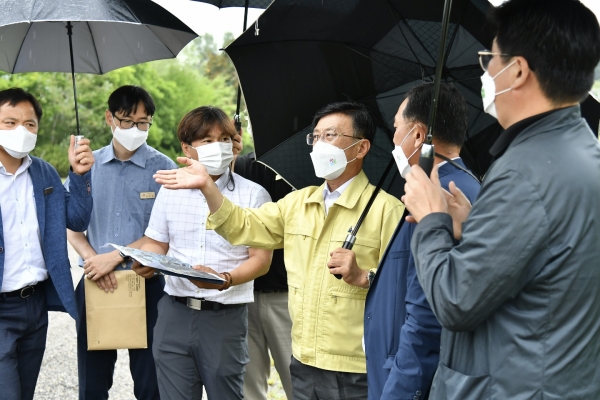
<point>310,383</point>
<point>23,328</point>
<point>96,368</point>
<point>195,348</point>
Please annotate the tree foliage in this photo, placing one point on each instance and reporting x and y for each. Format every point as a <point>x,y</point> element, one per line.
<point>201,75</point>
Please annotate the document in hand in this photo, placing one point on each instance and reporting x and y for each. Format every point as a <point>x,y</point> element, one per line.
<point>117,320</point>
<point>168,265</point>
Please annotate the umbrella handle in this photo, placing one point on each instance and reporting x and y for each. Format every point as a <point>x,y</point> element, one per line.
<point>348,244</point>
<point>351,237</point>
<point>427,158</point>
<point>427,152</point>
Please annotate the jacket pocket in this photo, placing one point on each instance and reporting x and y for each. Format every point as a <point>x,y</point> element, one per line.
<point>452,385</point>
<point>302,240</point>
<point>341,328</point>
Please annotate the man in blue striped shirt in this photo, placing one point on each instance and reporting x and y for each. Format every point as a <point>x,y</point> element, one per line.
<point>124,195</point>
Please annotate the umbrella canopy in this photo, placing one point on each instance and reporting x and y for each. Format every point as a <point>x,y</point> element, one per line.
<point>238,3</point>
<point>107,34</point>
<point>311,52</point>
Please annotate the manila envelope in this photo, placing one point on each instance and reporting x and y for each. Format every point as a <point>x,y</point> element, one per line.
<point>117,320</point>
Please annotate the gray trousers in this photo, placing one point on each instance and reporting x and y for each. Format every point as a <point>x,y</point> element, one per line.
<point>195,348</point>
<point>269,329</point>
<point>312,383</point>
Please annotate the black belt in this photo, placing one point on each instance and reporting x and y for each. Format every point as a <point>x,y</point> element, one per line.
<point>270,291</point>
<point>22,293</point>
<point>201,305</point>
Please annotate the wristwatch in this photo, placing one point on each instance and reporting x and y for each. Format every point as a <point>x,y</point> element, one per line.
<point>370,277</point>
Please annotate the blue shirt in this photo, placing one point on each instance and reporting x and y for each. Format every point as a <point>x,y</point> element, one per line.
<point>124,193</point>
<point>402,335</point>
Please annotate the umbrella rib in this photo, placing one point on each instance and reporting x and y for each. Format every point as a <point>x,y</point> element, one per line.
<point>381,62</point>
<point>21,47</point>
<point>155,35</point>
<point>95,48</point>
<point>454,34</point>
<point>403,35</point>
<point>272,169</point>
<point>413,34</point>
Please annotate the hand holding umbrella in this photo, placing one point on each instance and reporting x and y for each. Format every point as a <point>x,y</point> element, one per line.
<point>80,158</point>
<point>343,263</point>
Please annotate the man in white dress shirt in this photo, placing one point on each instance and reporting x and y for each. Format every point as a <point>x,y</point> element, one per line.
<point>35,212</point>
<point>200,334</point>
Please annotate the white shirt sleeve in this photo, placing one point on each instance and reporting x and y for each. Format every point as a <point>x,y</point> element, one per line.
<point>158,228</point>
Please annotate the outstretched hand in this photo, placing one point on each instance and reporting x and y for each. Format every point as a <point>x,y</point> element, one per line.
<point>192,176</point>
<point>423,195</point>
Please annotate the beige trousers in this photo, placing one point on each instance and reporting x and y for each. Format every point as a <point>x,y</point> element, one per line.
<point>269,329</point>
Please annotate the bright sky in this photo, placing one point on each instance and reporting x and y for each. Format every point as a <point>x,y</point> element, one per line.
<point>204,18</point>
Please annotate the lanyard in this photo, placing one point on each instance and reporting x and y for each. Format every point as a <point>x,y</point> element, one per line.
<point>457,165</point>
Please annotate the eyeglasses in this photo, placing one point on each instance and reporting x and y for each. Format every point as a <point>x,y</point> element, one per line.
<point>327,137</point>
<point>485,56</point>
<point>128,124</point>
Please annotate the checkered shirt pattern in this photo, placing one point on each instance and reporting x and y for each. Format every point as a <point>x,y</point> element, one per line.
<point>179,218</point>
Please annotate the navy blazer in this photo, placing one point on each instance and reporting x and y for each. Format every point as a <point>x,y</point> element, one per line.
<point>402,335</point>
<point>57,210</point>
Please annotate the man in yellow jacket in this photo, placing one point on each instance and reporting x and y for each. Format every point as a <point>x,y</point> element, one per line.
<point>310,225</point>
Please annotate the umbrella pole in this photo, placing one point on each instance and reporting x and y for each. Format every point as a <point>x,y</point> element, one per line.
<point>70,33</point>
<point>238,120</point>
<point>427,151</point>
<point>351,238</point>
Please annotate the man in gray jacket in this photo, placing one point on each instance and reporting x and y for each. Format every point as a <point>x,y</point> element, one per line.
<point>519,295</point>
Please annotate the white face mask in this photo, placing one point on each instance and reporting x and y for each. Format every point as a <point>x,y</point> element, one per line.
<point>131,138</point>
<point>215,157</point>
<point>488,91</point>
<point>18,142</point>
<point>328,160</point>
<point>401,159</point>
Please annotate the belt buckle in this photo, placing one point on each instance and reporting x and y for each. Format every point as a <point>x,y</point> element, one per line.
<point>27,291</point>
<point>195,304</point>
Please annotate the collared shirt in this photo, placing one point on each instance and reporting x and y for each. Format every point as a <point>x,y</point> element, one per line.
<point>446,162</point>
<point>23,259</point>
<point>179,219</point>
<point>124,193</point>
<point>330,197</point>
<point>327,313</point>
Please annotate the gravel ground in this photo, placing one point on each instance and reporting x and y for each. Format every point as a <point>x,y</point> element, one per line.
<point>58,376</point>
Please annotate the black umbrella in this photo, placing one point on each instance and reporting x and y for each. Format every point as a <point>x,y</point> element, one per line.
<point>313,52</point>
<point>92,36</point>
